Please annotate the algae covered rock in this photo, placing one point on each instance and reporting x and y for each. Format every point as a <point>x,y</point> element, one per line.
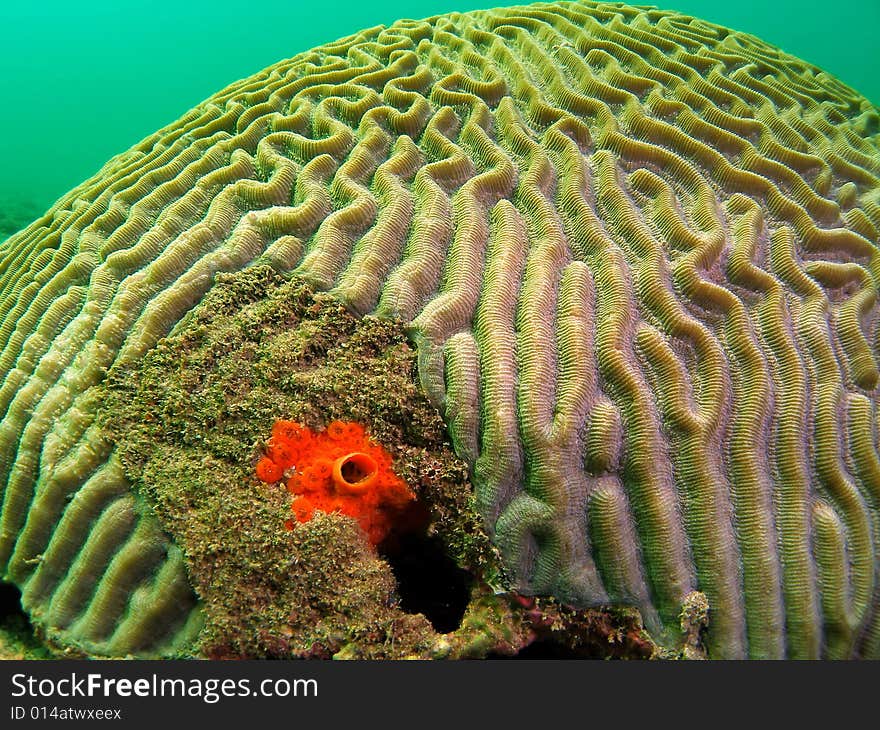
<point>603,280</point>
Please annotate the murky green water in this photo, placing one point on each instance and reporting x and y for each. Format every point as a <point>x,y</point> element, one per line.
<point>82,81</point>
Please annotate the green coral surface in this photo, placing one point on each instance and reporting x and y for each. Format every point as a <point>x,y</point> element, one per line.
<point>635,256</point>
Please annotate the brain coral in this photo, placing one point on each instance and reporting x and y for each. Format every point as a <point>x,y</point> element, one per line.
<point>638,255</point>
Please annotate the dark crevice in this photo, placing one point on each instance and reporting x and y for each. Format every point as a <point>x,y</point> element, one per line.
<point>584,642</point>
<point>10,604</point>
<point>548,649</point>
<point>428,580</point>
<point>18,640</point>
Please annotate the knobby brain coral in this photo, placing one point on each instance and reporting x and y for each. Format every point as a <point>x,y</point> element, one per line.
<point>337,470</point>
<point>638,254</point>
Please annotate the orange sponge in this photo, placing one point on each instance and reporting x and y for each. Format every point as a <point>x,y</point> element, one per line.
<point>337,470</point>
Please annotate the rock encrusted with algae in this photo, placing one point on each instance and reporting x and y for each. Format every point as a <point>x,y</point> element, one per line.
<point>189,422</point>
<point>637,254</point>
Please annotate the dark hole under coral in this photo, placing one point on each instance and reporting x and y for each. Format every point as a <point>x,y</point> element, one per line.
<point>10,603</point>
<point>14,622</point>
<point>581,646</point>
<point>428,580</point>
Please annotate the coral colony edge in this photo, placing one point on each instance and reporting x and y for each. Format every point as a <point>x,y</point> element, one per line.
<point>549,330</point>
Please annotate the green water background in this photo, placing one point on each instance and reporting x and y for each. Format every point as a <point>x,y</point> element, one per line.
<point>82,81</point>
